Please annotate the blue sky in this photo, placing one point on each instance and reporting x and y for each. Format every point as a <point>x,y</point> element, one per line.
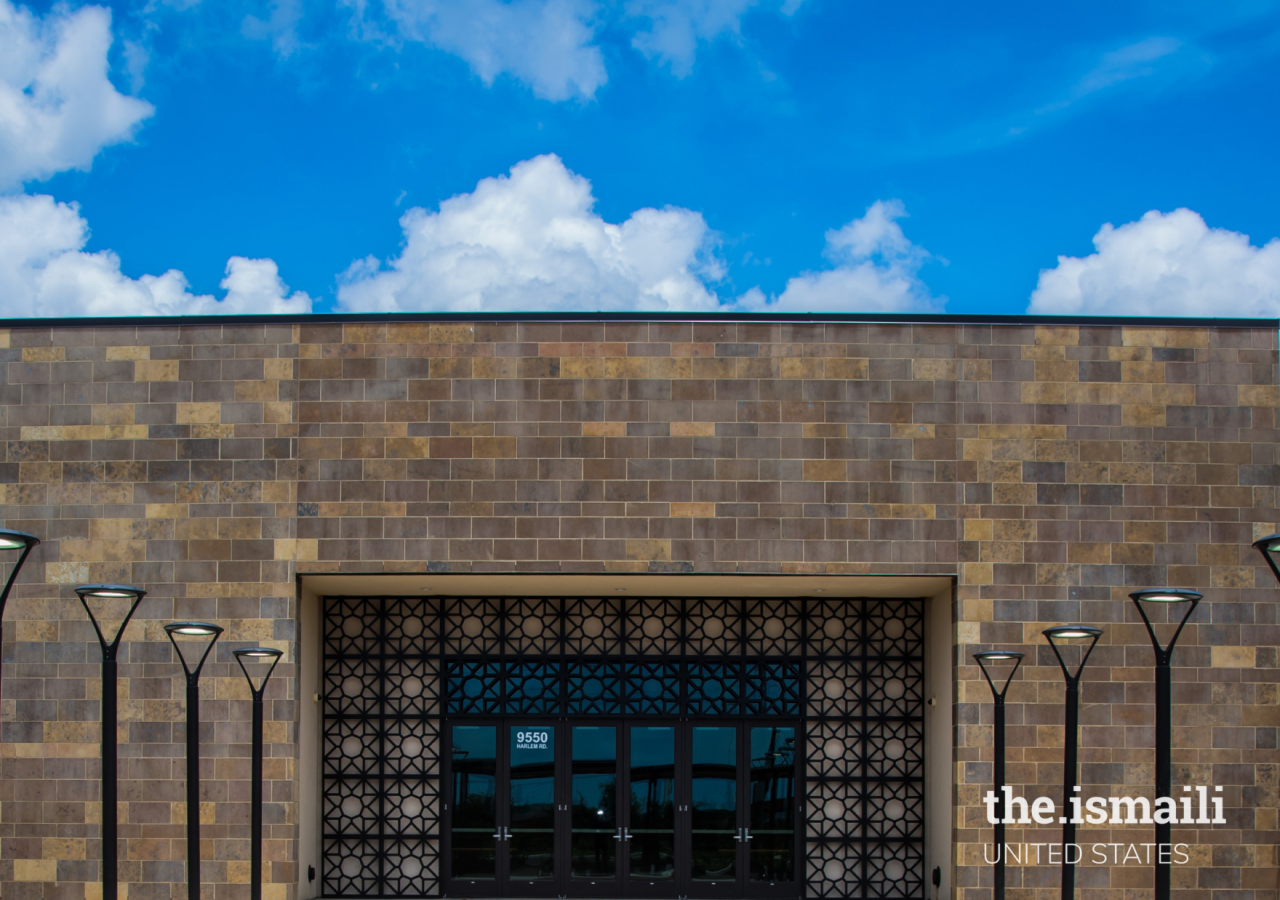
<point>816,155</point>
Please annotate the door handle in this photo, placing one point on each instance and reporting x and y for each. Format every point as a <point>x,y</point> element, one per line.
<point>618,836</point>
<point>626,834</point>
<point>503,834</point>
<point>746,834</point>
<point>738,835</point>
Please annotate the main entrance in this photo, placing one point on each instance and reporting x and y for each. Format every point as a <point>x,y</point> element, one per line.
<point>600,747</point>
<point>699,809</point>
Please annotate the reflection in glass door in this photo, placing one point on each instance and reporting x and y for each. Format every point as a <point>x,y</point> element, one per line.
<point>771,824</point>
<point>704,810</point>
<point>715,833</point>
<point>474,828</point>
<point>594,832</point>
<point>651,832</point>
<point>531,836</point>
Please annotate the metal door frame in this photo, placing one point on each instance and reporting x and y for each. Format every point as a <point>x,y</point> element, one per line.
<point>680,662</point>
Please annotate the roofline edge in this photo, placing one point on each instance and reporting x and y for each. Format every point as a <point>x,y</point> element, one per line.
<point>836,318</point>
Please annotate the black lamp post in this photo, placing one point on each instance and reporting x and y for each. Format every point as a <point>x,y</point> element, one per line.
<point>1072,738</point>
<point>1164,713</point>
<point>195,630</point>
<point>14,540</point>
<point>109,598</point>
<point>998,656</point>
<point>256,654</point>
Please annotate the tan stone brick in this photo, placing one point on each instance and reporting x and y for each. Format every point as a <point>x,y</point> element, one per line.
<point>626,367</point>
<point>911,430</point>
<point>43,354</point>
<point>824,470</point>
<point>256,391</point>
<point>801,368</point>
<point>506,367</point>
<point>35,870</point>
<point>407,448</point>
<point>452,333</point>
<point>1043,392</point>
<point>66,572</point>
<point>494,447</point>
<point>663,367</point>
<point>1258,395</point>
<point>649,549</point>
<point>848,369</point>
<point>1232,657</point>
<point>203,413</point>
<point>156,370</point>
<point>1066,335</point>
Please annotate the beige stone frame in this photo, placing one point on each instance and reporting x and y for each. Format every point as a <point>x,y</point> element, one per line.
<point>940,638</point>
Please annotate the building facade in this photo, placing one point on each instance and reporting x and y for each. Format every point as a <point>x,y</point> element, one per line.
<point>637,607</point>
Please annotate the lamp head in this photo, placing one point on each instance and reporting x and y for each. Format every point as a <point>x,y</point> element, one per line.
<point>110,592</point>
<point>258,654</point>
<point>1269,547</point>
<point>998,656</point>
<point>1268,544</point>
<point>1167,595</point>
<point>193,629</point>
<point>116,604</point>
<point>16,540</point>
<point>1072,632</point>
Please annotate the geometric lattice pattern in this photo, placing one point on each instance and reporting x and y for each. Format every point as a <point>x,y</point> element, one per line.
<point>382,708</point>
<point>864,726</point>
<point>851,670</point>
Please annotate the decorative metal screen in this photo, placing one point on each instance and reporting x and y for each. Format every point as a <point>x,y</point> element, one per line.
<point>381,795</point>
<point>851,670</point>
<point>864,717</point>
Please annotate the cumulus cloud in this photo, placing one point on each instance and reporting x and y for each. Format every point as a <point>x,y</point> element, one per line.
<point>532,241</point>
<point>1165,264</point>
<point>676,27</point>
<point>57,106</point>
<point>875,269</point>
<point>44,271</point>
<point>546,44</point>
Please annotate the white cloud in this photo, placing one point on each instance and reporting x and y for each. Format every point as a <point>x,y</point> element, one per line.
<point>1157,61</point>
<point>1165,264</point>
<point>44,271</point>
<point>547,44</point>
<point>677,26</point>
<point>57,106</point>
<point>876,270</point>
<point>531,241</point>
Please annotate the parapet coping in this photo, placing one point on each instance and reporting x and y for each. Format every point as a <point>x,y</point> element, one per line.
<point>765,317</point>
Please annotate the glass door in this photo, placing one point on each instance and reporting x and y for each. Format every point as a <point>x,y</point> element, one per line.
<point>595,828</point>
<point>501,839</point>
<point>716,836</point>
<point>473,834</point>
<point>705,810</point>
<point>532,811</point>
<point>649,828</point>
<point>772,807</point>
